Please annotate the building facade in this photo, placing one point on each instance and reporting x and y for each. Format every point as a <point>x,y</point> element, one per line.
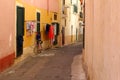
<point>20,21</point>
<point>38,14</point>
<point>70,21</point>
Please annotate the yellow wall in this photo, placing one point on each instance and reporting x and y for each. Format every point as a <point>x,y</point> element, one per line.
<point>30,14</point>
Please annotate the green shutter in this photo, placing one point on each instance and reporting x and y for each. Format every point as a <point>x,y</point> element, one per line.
<point>75,9</point>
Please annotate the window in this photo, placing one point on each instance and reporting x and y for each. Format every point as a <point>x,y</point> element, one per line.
<point>55,16</point>
<point>38,22</point>
<point>38,16</point>
<point>71,1</point>
<point>75,9</point>
<point>81,15</point>
<point>63,12</point>
<point>63,2</point>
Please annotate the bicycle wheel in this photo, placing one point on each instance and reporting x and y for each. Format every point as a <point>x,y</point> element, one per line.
<point>35,50</point>
<point>39,49</point>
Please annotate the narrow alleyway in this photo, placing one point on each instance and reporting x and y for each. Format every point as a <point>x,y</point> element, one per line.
<point>56,64</point>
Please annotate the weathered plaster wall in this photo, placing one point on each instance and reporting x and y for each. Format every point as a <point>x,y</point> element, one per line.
<point>53,4</point>
<point>102,43</point>
<point>7,31</point>
<point>7,24</point>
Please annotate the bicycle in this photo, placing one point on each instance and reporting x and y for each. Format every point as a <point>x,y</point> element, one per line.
<point>38,47</point>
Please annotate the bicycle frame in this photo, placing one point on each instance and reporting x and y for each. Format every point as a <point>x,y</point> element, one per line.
<point>38,47</point>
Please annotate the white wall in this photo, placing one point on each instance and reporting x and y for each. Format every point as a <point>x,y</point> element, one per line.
<point>72,19</point>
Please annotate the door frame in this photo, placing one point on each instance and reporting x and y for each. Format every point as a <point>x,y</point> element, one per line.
<point>17,5</point>
<point>63,35</point>
<point>71,33</point>
<point>21,6</point>
<point>76,34</point>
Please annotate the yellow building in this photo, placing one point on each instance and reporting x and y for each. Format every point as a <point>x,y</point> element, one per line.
<point>33,16</point>
<point>20,20</point>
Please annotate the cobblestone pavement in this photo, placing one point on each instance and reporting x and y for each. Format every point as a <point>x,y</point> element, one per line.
<point>54,64</point>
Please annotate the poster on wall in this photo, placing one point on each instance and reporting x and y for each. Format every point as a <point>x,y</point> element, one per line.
<point>30,28</point>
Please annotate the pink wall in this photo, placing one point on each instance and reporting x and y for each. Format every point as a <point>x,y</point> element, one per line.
<point>102,45</point>
<point>53,4</point>
<point>89,20</point>
<point>7,27</point>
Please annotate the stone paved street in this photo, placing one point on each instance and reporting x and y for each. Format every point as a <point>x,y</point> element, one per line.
<point>54,64</point>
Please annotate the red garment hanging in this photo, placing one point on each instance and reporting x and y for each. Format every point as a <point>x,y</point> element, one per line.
<point>51,32</point>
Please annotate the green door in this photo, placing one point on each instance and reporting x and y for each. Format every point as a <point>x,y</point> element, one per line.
<point>19,31</point>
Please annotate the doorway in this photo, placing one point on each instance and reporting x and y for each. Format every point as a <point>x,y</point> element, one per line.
<point>56,32</point>
<point>19,31</point>
<point>63,35</point>
<point>76,34</point>
<point>71,33</point>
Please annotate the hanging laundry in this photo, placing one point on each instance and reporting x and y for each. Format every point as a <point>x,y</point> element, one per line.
<point>56,30</point>
<point>47,28</point>
<point>51,32</point>
<point>32,26</point>
<point>28,26</point>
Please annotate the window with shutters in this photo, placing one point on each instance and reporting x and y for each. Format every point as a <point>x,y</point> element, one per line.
<point>75,9</point>
<point>55,16</point>
<point>63,2</point>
